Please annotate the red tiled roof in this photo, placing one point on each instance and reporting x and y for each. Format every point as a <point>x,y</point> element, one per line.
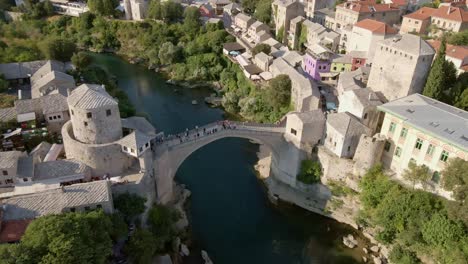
<point>422,14</point>
<point>458,52</point>
<point>368,7</point>
<point>451,13</point>
<point>13,230</point>
<point>376,26</point>
<point>400,2</point>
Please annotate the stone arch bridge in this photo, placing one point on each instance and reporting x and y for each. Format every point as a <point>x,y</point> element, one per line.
<point>171,153</point>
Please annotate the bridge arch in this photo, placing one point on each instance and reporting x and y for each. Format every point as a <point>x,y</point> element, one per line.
<point>169,158</point>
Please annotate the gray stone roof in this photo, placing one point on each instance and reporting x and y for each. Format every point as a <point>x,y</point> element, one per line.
<point>55,79</point>
<point>7,114</point>
<point>139,123</point>
<point>438,119</point>
<point>297,19</point>
<point>55,201</point>
<point>409,43</point>
<point>41,150</point>
<point>9,159</point>
<point>342,59</point>
<point>347,124</point>
<point>25,167</point>
<point>231,6</point>
<point>135,140</point>
<point>366,97</point>
<point>90,96</point>
<point>262,57</point>
<point>20,70</point>
<point>59,168</point>
<point>49,66</point>
<point>292,58</point>
<point>243,17</point>
<point>310,116</point>
<point>54,103</point>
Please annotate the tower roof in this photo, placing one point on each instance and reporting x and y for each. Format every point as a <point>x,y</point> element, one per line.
<point>410,43</point>
<point>90,96</point>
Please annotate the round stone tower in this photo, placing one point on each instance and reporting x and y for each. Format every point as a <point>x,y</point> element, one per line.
<point>95,115</point>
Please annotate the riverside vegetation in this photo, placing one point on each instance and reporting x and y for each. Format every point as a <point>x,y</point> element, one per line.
<point>172,39</point>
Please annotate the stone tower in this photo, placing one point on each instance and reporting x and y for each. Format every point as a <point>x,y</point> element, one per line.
<point>94,115</point>
<point>400,67</point>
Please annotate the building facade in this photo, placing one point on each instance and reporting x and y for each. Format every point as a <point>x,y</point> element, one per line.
<point>424,131</point>
<point>350,13</point>
<point>418,21</point>
<point>284,11</point>
<point>400,67</point>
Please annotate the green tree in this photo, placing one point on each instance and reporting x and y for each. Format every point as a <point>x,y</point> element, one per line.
<point>458,93</point>
<point>6,4</point>
<point>279,91</point>
<point>462,100</point>
<point>161,221</point>
<point>59,48</point>
<point>249,5</point>
<point>142,246</point>
<point>417,174</point>
<point>168,53</point>
<point>262,47</point>
<point>402,256</point>
<point>440,230</point>
<point>263,11</point>
<point>192,20</point>
<point>310,172</point>
<point>455,178</point>
<point>81,60</point>
<point>280,34</point>
<point>441,75</point>
<point>102,7</point>
<point>459,39</point>
<point>302,38</point>
<point>130,205</point>
<point>69,238</point>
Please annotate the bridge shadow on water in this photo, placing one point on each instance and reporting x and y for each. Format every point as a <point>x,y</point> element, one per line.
<point>234,221</point>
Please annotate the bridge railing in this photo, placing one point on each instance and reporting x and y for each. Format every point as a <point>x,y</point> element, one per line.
<point>203,132</point>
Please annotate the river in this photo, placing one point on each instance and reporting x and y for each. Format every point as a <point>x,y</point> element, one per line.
<point>231,217</point>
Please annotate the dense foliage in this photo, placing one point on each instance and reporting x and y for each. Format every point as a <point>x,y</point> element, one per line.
<point>263,11</point>
<point>416,221</point>
<point>145,243</point>
<point>443,84</point>
<point>310,172</point>
<point>65,238</point>
<point>130,205</point>
<point>263,47</point>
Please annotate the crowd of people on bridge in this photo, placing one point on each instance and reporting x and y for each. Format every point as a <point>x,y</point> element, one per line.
<point>196,133</point>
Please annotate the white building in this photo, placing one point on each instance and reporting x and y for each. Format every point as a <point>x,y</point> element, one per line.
<point>343,131</point>
<point>305,129</point>
<point>135,9</point>
<point>424,131</point>
<point>400,66</point>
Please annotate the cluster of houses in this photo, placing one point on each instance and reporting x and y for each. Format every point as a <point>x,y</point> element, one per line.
<point>374,65</point>
<point>99,148</point>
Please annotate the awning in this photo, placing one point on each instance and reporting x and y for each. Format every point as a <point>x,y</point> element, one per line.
<point>12,133</point>
<point>329,74</point>
<point>26,117</point>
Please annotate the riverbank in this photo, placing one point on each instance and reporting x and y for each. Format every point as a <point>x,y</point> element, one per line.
<point>365,243</point>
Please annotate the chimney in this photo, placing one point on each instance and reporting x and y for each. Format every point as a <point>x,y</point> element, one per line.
<point>448,8</point>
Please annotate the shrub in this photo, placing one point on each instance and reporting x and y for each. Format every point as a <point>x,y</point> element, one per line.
<point>310,172</point>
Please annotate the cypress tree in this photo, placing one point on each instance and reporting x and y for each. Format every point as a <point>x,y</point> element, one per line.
<point>441,76</point>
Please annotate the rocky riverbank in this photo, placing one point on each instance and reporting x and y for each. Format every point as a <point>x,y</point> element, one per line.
<point>337,208</point>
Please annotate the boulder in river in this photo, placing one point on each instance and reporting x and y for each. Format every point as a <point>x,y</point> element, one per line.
<point>377,260</point>
<point>375,249</point>
<point>350,241</point>
<point>365,250</point>
<point>184,251</point>
<point>205,257</point>
<point>364,259</point>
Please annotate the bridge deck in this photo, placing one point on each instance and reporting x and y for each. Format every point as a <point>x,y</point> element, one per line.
<point>214,129</point>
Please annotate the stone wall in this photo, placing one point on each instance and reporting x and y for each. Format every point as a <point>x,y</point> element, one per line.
<point>102,158</point>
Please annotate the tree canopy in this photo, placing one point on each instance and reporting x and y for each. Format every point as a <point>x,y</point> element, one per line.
<point>130,205</point>
<point>262,47</point>
<point>61,49</point>
<point>263,11</point>
<point>310,172</point>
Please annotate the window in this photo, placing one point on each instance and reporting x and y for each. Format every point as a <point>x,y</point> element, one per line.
<point>141,149</point>
<point>55,117</point>
<point>132,150</point>
<point>125,148</point>
<point>50,118</point>
<point>25,179</point>
<point>365,116</point>
<point>72,209</point>
<point>85,123</point>
<point>404,132</point>
<point>72,112</point>
<point>7,181</point>
<point>59,116</point>
<point>147,144</point>
<point>419,144</point>
<point>5,173</point>
<point>293,131</point>
<point>334,68</point>
<point>444,156</point>
<point>89,115</point>
<point>392,127</point>
<point>349,148</point>
<point>108,112</point>
<point>430,150</point>
<point>387,146</point>
<point>435,177</point>
<point>398,151</point>
<point>98,206</point>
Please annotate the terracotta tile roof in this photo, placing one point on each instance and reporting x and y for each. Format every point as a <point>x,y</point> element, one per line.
<point>451,13</point>
<point>458,52</point>
<point>368,7</point>
<point>376,26</point>
<point>12,231</point>
<point>422,13</point>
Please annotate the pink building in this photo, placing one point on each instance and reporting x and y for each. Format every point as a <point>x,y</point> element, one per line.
<point>317,60</point>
